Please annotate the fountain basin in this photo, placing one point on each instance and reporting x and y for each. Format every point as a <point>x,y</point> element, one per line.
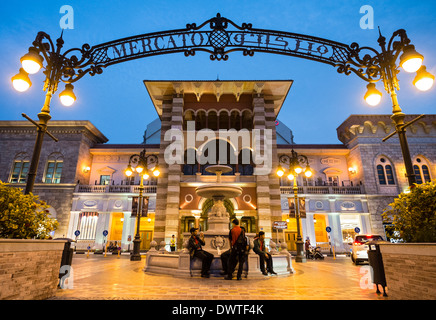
<point>218,191</point>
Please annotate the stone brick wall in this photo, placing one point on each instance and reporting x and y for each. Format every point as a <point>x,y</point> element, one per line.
<point>410,270</point>
<point>29,269</point>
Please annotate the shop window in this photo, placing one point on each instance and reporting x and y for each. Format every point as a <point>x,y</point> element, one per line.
<point>87,225</point>
<point>348,224</point>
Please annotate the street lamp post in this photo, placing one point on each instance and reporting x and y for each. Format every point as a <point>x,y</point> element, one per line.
<point>59,67</point>
<point>295,162</point>
<point>383,66</point>
<point>142,161</point>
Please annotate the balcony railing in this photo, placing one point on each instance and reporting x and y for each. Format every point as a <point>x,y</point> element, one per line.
<point>324,190</point>
<point>114,189</point>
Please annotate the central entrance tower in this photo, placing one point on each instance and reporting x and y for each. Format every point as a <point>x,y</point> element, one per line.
<point>215,107</point>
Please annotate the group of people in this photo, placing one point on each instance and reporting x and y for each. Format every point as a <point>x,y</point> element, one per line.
<point>239,248</point>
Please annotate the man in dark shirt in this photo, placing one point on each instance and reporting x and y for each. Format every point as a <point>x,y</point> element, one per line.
<point>264,256</point>
<point>195,250</point>
<point>237,250</point>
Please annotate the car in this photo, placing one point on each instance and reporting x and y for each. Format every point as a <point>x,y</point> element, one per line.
<point>359,249</point>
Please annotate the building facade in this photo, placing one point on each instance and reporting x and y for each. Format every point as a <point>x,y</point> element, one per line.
<point>82,176</point>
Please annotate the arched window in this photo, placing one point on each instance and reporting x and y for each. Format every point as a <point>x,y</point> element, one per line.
<point>53,169</point>
<point>385,172</point>
<point>421,170</point>
<point>20,168</point>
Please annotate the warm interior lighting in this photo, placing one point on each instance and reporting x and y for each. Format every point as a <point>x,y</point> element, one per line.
<point>32,61</point>
<point>411,60</point>
<point>372,95</point>
<point>21,81</point>
<point>423,80</point>
<point>67,96</point>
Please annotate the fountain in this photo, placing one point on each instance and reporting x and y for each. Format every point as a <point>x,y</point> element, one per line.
<point>216,237</point>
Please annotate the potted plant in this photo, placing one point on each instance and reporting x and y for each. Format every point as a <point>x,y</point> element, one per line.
<point>410,264</point>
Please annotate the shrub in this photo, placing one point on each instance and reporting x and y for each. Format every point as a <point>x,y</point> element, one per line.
<point>23,216</point>
<point>413,214</point>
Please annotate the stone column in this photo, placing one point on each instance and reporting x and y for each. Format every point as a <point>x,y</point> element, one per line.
<point>267,185</point>
<point>168,188</point>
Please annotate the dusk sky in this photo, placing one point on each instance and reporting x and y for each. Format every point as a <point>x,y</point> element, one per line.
<point>117,103</point>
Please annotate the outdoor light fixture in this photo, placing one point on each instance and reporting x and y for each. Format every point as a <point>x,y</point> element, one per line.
<point>65,67</point>
<point>382,65</point>
<point>423,80</point>
<point>294,163</point>
<point>372,95</point>
<point>32,61</point>
<point>21,81</point>
<point>86,169</point>
<point>141,161</point>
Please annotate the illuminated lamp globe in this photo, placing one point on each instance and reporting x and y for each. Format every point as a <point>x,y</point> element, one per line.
<point>67,96</point>
<point>423,80</point>
<point>372,95</point>
<point>156,171</point>
<point>32,61</point>
<point>411,60</point>
<point>21,81</point>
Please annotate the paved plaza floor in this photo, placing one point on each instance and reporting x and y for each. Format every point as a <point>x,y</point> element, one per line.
<point>112,277</point>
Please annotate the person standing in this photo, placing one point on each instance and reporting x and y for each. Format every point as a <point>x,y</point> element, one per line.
<point>238,248</point>
<point>195,250</point>
<point>264,256</point>
<point>173,244</point>
<point>307,247</point>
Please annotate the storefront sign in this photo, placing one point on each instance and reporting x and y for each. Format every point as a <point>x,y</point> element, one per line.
<point>280,224</point>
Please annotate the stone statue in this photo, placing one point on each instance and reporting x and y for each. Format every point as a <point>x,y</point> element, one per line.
<point>218,210</point>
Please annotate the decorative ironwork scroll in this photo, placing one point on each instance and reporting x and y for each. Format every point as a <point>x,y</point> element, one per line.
<point>220,36</point>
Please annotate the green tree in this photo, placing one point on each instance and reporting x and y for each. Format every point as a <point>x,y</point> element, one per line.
<point>23,216</point>
<point>413,214</point>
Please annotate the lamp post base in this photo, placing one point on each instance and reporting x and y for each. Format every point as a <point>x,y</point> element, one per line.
<point>300,253</point>
<point>136,255</point>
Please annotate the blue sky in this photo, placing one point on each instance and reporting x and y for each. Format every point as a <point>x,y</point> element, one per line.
<point>117,103</point>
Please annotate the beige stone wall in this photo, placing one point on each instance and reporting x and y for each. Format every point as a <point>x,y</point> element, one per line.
<point>29,269</point>
<point>410,270</point>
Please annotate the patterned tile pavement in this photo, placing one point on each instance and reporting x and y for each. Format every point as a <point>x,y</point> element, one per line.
<point>118,278</point>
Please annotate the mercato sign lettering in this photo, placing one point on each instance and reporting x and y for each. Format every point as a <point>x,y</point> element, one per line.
<point>156,44</point>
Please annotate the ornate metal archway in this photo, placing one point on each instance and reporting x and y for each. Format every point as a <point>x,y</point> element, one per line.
<point>217,36</point>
